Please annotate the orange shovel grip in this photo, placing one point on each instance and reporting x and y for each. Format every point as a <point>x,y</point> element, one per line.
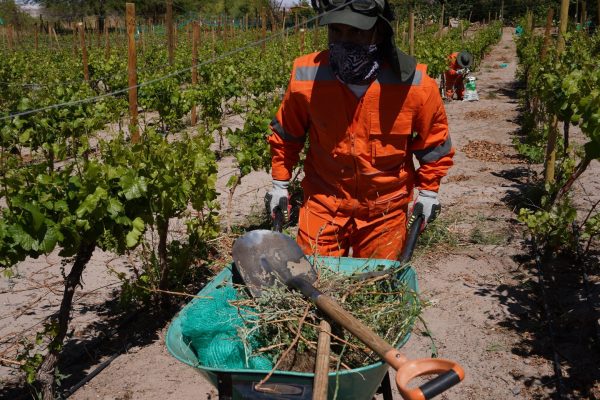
<point>448,372</point>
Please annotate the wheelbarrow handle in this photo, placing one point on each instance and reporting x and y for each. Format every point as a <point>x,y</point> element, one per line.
<point>450,372</point>
<point>280,214</point>
<point>413,229</point>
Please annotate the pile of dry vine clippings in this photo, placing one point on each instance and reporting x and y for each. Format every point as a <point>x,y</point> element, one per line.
<point>384,303</point>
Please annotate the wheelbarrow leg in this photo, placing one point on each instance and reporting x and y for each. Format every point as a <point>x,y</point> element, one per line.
<point>224,386</point>
<point>385,388</point>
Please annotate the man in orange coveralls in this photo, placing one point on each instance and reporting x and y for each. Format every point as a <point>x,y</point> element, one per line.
<point>454,75</point>
<point>365,108</point>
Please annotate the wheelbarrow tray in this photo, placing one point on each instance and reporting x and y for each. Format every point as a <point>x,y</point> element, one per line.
<point>355,384</point>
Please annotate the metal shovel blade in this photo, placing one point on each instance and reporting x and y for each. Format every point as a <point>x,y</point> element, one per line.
<point>262,257</point>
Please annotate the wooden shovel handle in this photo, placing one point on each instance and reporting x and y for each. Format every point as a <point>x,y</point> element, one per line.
<point>344,318</point>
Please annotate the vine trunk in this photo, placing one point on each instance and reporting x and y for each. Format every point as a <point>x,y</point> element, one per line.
<point>45,375</point>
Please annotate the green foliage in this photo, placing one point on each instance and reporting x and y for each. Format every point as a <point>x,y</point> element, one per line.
<point>552,227</point>
<point>533,144</point>
<point>30,354</point>
<point>11,14</point>
<point>434,51</point>
<point>566,86</point>
<point>249,143</point>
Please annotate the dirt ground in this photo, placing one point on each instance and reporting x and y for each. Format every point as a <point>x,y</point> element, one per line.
<point>485,310</point>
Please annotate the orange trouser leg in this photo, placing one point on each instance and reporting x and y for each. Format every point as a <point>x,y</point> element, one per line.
<point>379,237</point>
<point>382,236</point>
<point>454,82</point>
<point>317,235</point>
<point>460,90</point>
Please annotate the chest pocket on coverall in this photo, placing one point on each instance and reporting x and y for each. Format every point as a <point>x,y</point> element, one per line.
<point>389,143</point>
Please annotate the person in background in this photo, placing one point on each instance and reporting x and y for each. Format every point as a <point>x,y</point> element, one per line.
<point>366,109</point>
<point>457,61</point>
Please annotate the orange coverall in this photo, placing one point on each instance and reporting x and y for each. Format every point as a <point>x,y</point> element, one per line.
<point>453,79</point>
<point>359,172</point>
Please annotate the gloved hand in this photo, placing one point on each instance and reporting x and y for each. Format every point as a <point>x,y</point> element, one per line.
<point>278,197</point>
<point>431,205</point>
<point>460,71</point>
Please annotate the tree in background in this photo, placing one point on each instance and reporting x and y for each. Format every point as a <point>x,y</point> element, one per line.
<point>478,10</point>
<point>12,14</point>
<point>155,8</point>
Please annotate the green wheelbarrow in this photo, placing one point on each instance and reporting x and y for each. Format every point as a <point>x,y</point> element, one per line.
<point>356,384</point>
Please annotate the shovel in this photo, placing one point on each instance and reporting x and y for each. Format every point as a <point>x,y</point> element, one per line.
<point>264,257</point>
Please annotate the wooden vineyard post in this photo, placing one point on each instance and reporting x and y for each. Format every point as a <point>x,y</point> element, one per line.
<point>583,14</point>
<point>55,37</point>
<point>75,30</point>
<point>36,33</point>
<point>283,27</point>
<point>441,31</point>
<point>263,20</point>
<point>296,22</point>
<point>411,33</point>
<point>549,17</point>
<point>195,38</point>
<point>11,43</point>
<point>543,52</point>
<point>169,27</point>
<point>106,42</point>
<point>550,160</point>
<point>214,41</point>
<point>132,74</point>
<point>84,56</point>
<point>142,45</point>
<point>529,21</point>
<point>99,32</point>
<point>302,35</point>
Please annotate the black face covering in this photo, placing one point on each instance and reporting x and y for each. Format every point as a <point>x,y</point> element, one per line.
<point>354,63</point>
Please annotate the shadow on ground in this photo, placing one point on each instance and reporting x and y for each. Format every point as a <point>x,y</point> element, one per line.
<point>112,334</point>
<point>552,308</point>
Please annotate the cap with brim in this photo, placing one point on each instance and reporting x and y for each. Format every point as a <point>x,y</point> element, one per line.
<point>348,17</point>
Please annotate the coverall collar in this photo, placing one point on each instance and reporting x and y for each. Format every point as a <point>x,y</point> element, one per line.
<point>402,64</point>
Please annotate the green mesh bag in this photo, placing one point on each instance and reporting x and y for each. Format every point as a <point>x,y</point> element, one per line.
<point>211,326</point>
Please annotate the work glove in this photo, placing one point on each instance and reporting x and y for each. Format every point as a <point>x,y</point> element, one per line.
<point>277,201</point>
<point>431,206</point>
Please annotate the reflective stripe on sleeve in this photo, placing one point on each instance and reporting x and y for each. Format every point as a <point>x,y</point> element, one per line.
<point>434,153</point>
<point>318,73</point>
<point>283,134</point>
